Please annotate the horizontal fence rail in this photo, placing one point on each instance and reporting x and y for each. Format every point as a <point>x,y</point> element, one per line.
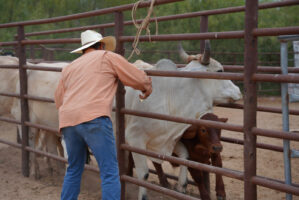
<point>55,157</point>
<point>208,123</point>
<point>156,188</point>
<point>172,17</point>
<point>200,166</point>
<point>220,125</point>
<point>85,14</point>
<point>259,108</point>
<point>274,184</point>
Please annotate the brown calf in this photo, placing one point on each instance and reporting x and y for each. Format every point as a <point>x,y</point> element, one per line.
<point>204,146</point>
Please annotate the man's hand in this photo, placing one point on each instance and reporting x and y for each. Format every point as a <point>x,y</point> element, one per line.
<point>146,92</point>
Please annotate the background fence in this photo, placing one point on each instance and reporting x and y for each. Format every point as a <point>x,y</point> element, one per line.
<point>250,75</point>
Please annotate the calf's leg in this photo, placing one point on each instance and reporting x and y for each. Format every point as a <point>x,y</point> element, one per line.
<point>220,190</point>
<point>197,176</point>
<point>161,175</point>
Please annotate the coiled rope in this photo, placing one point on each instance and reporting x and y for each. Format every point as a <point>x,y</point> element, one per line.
<point>143,26</point>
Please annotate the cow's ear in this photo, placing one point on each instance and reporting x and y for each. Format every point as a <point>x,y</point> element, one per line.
<point>189,133</point>
<point>223,119</point>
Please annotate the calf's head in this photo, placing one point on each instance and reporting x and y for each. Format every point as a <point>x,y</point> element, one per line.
<point>200,139</point>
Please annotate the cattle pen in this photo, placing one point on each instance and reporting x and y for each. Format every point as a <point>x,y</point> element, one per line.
<point>250,77</point>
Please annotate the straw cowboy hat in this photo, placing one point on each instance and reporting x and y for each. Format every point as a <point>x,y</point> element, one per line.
<point>89,38</point>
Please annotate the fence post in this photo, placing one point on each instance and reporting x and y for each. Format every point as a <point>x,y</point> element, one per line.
<point>285,116</point>
<point>16,46</point>
<point>250,99</point>
<point>120,103</point>
<point>203,29</point>
<point>24,102</point>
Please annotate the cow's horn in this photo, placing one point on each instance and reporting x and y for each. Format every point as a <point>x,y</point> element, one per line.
<point>205,59</point>
<point>182,53</point>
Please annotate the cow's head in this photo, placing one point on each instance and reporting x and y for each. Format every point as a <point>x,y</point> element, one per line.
<point>222,91</point>
<point>201,60</point>
<point>202,138</point>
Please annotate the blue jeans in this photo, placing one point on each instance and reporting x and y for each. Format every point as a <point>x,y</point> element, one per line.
<point>98,135</point>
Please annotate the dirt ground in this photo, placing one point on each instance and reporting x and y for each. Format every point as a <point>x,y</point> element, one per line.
<point>13,186</point>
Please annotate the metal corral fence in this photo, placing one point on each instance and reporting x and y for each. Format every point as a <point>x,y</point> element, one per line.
<point>250,77</point>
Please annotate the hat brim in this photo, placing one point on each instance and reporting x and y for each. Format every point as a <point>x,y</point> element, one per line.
<point>109,41</point>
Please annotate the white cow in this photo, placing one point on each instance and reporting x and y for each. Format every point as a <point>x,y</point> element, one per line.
<point>8,79</point>
<point>40,83</point>
<point>184,97</point>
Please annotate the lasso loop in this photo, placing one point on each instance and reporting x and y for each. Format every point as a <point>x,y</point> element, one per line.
<point>143,26</point>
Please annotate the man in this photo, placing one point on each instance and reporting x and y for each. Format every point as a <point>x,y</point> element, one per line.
<point>84,98</point>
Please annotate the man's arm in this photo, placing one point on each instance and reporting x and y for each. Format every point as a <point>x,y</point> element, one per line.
<point>59,92</point>
<point>129,75</point>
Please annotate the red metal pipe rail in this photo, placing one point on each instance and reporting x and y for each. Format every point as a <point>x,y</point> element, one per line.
<point>275,134</point>
<point>274,184</point>
<point>186,74</point>
<point>208,123</point>
<point>47,128</point>
<point>10,94</point>
<point>5,119</point>
<point>271,69</point>
<point>258,145</point>
<point>176,37</point>
<point>9,66</point>
<point>259,108</point>
<point>41,68</point>
<point>171,17</point>
<point>8,43</point>
<point>108,25</point>
<point>156,188</point>
<point>220,125</point>
<point>35,98</point>
<point>187,36</point>
<point>16,145</point>
<point>200,166</point>
<point>276,31</point>
<point>85,14</point>
<point>290,78</point>
<point>229,68</point>
<point>55,157</point>
<point>225,139</point>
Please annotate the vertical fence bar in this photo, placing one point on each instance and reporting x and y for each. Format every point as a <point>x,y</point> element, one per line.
<point>285,115</point>
<point>204,23</point>
<point>250,100</point>
<point>16,46</point>
<point>24,102</point>
<point>120,103</point>
<point>203,28</point>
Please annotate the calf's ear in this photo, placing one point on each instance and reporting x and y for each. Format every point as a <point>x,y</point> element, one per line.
<point>223,119</point>
<point>189,133</point>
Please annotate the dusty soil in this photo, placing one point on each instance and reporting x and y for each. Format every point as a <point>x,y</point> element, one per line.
<point>13,186</point>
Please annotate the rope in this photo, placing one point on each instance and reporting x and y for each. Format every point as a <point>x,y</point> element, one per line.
<point>143,26</point>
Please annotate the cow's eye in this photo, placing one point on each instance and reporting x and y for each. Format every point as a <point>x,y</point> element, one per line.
<point>203,130</point>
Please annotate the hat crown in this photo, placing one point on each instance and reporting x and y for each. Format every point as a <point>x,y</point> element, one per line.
<point>90,36</point>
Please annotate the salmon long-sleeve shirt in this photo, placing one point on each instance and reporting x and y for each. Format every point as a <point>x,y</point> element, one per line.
<point>88,85</point>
